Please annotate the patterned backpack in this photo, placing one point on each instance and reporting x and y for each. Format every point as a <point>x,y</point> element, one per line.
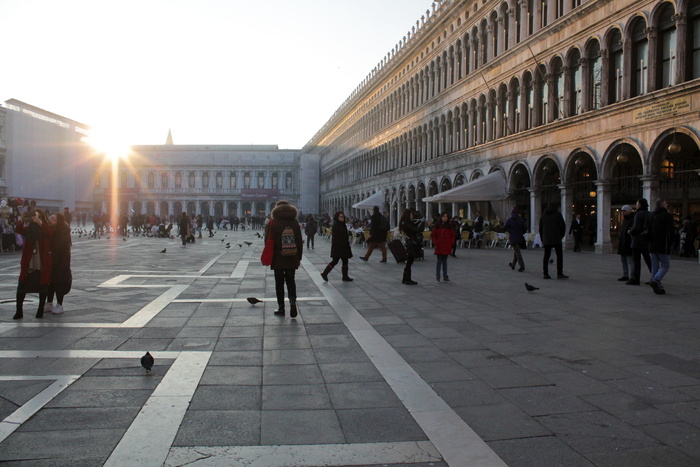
<point>289,244</point>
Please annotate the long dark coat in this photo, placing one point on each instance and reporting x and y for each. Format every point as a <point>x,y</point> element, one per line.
<point>638,226</point>
<point>61,275</point>
<point>660,224</point>
<point>624,241</point>
<point>284,216</point>
<point>552,227</point>
<point>340,241</point>
<point>376,233</point>
<point>44,253</point>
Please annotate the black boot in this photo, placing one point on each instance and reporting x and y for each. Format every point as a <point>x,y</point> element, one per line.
<point>293,310</point>
<point>325,272</point>
<point>280,310</point>
<point>346,278</point>
<point>18,314</point>
<point>407,278</point>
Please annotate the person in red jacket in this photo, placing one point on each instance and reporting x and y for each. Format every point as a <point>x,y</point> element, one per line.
<point>35,264</point>
<point>443,237</point>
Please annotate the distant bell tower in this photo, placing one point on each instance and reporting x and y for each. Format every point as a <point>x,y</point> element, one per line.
<point>169,139</point>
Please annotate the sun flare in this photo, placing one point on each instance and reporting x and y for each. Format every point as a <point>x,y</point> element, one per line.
<point>109,143</point>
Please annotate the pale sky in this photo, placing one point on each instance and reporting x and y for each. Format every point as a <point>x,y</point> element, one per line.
<point>213,71</point>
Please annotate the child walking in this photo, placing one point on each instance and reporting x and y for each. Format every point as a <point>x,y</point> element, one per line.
<point>443,237</point>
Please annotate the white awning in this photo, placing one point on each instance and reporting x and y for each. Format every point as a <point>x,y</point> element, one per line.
<point>492,187</point>
<point>376,199</point>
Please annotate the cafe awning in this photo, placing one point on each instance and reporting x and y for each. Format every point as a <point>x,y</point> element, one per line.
<point>491,187</point>
<point>376,199</point>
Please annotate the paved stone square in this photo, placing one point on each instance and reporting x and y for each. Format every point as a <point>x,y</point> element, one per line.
<point>474,372</point>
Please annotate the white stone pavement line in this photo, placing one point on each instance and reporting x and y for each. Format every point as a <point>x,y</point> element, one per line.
<point>409,452</point>
<point>148,312</point>
<point>150,436</point>
<point>211,263</point>
<point>240,269</point>
<point>28,409</point>
<point>456,441</point>
<point>117,280</point>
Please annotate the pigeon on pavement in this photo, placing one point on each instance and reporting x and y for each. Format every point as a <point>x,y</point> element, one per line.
<point>531,288</point>
<point>147,362</point>
<point>163,250</point>
<point>253,300</point>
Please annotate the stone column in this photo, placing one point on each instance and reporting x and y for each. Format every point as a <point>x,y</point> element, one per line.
<point>650,188</point>
<point>653,60</point>
<point>523,20</point>
<point>537,15</point>
<point>605,78</point>
<point>551,11</point>
<point>500,36</point>
<point>490,42</point>
<point>627,69</point>
<point>603,195</point>
<point>566,107</point>
<point>551,108</point>
<point>681,43</point>
<point>512,25</point>
<point>586,85</point>
<point>535,209</point>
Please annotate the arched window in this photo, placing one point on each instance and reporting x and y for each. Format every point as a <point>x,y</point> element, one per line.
<point>557,93</point>
<point>693,56</point>
<point>164,180</point>
<point>288,181</point>
<point>261,179</point>
<point>275,180</point>
<point>615,68</point>
<point>666,48</point>
<point>219,180</point>
<point>191,180</point>
<point>640,59</point>
<point>574,94</point>
<point>205,180</point>
<point>151,180</point>
<point>595,75</point>
<point>178,179</point>
<point>233,180</point>
<point>246,180</point>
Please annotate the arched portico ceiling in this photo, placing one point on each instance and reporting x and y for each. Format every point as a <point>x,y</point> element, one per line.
<point>687,142</point>
<point>547,167</point>
<point>623,151</point>
<point>445,184</point>
<point>459,179</point>
<point>432,188</point>
<point>519,176</point>
<point>581,163</point>
<point>475,174</point>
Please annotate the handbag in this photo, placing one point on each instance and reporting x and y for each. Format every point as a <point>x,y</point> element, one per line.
<point>266,257</point>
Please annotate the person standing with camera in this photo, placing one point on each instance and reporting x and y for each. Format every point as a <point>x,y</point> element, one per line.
<point>411,225</point>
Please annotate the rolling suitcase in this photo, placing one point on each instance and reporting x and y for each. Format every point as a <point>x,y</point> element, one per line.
<point>398,250</point>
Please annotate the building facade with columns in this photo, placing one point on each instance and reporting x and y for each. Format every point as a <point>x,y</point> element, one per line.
<point>588,104</point>
<point>217,180</point>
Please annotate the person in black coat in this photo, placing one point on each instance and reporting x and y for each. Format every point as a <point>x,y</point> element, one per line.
<point>552,231</point>
<point>660,225</point>
<point>61,275</point>
<point>310,230</point>
<point>516,228</point>
<point>577,231</point>
<point>624,243</point>
<point>640,245</point>
<point>183,226</point>
<point>378,229</point>
<point>340,247</point>
<point>412,226</point>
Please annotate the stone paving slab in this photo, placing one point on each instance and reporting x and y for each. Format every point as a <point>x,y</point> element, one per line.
<point>585,371</point>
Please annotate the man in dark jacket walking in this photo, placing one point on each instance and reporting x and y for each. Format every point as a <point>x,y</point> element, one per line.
<point>552,231</point>
<point>640,245</point>
<point>624,243</point>
<point>378,229</point>
<point>660,224</point>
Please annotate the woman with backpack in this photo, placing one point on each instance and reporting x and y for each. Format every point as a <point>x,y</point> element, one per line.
<point>340,247</point>
<point>284,229</point>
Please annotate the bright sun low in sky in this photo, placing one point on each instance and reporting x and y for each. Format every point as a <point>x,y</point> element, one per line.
<point>213,71</point>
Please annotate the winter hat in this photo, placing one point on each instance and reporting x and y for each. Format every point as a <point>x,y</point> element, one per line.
<point>626,207</point>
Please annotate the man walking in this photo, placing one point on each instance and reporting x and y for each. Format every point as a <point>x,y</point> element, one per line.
<point>378,228</point>
<point>577,231</point>
<point>660,225</point>
<point>552,231</point>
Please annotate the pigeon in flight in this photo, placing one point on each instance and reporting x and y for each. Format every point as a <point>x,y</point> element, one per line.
<point>240,246</point>
<point>253,300</point>
<point>228,246</point>
<point>163,250</point>
<point>531,288</point>
<point>248,243</point>
<point>147,362</point>
<point>258,234</point>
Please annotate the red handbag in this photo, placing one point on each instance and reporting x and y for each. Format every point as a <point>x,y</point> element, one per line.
<point>266,257</point>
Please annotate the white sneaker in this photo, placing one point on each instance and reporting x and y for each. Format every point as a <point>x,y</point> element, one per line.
<point>57,310</point>
<point>48,306</point>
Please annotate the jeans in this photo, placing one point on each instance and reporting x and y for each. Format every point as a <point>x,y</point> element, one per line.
<point>310,241</point>
<point>659,267</point>
<point>441,261</point>
<point>627,266</point>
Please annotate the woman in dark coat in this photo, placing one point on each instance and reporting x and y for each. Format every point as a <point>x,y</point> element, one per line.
<point>340,247</point>
<point>61,276</point>
<point>36,256</point>
<point>286,256</point>
<point>183,226</point>
<point>516,228</point>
